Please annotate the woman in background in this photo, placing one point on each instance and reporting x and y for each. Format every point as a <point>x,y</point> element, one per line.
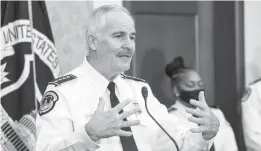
<point>186,84</point>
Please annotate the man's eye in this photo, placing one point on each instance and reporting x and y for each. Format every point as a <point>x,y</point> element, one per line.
<point>200,84</point>
<point>133,38</point>
<point>119,36</point>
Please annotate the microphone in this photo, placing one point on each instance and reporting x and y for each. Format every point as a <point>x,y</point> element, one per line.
<point>144,92</point>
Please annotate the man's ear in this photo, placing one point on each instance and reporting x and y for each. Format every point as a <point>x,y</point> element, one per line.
<point>92,42</point>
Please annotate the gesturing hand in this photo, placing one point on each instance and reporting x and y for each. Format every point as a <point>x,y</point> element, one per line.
<point>208,122</point>
<point>104,124</point>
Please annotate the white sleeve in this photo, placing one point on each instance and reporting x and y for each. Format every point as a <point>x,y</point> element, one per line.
<point>251,120</point>
<point>185,139</point>
<point>225,139</point>
<point>55,128</point>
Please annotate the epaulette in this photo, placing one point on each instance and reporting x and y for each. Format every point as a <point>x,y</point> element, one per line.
<point>132,78</point>
<point>170,109</point>
<point>255,81</point>
<point>62,79</point>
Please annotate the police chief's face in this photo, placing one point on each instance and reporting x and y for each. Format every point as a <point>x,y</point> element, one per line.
<point>116,41</point>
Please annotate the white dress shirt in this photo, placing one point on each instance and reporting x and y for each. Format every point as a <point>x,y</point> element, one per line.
<point>251,117</point>
<point>61,127</point>
<point>225,138</point>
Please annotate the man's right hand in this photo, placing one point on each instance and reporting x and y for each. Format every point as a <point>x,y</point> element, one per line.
<point>104,124</point>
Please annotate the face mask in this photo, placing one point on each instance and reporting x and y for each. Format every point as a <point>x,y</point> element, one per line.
<point>187,95</point>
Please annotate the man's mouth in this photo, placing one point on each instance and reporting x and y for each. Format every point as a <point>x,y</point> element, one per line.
<point>124,55</point>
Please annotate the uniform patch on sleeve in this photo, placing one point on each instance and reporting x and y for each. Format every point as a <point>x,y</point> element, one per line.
<point>246,94</point>
<point>48,102</point>
<point>132,78</point>
<point>63,79</point>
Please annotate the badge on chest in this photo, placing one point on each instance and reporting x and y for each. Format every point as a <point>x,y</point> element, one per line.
<point>136,105</point>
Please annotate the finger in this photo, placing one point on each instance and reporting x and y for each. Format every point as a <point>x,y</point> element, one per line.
<point>199,129</point>
<point>121,105</point>
<point>101,104</point>
<point>195,112</point>
<point>129,123</point>
<point>196,120</point>
<point>128,113</point>
<point>123,133</point>
<point>198,104</point>
<point>201,98</point>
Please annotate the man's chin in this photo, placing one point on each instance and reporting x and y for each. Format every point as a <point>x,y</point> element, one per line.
<point>124,67</point>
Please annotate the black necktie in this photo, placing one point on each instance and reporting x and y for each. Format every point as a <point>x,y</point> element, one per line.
<point>128,143</point>
<point>212,148</point>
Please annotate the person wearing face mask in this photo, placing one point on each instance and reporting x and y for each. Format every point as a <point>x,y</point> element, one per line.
<point>186,84</point>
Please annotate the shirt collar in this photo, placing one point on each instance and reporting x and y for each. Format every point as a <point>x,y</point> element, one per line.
<point>99,81</point>
<point>122,88</point>
<point>118,83</point>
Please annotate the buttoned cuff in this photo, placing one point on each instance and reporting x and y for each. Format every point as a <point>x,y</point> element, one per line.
<point>91,145</point>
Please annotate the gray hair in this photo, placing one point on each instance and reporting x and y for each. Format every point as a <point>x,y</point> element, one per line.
<point>96,19</point>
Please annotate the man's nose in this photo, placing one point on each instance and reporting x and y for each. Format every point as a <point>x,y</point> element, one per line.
<point>129,43</point>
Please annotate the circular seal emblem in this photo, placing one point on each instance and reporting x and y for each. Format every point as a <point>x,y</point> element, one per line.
<point>48,102</point>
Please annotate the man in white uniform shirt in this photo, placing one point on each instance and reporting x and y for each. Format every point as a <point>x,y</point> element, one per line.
<point>251,116</point>
<point>95,107</point>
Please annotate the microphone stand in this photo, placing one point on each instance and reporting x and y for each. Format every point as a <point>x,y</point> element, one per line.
<point>145,95</point>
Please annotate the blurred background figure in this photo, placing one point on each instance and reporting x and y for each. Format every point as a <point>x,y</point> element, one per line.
<point>251,116</point>
<point>186,84</point>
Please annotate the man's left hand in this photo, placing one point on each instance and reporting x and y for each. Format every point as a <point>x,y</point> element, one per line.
<point>204,117</point>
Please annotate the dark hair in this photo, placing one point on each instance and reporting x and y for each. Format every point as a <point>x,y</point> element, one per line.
<point>175,68</point>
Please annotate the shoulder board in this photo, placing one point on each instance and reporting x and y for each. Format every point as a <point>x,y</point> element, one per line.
<point>255,81</point>
<point>132,78</point>
<point>62,79</point>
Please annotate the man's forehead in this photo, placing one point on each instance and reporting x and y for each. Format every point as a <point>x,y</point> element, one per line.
<point>118,21</point>
<point>124,29</point>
